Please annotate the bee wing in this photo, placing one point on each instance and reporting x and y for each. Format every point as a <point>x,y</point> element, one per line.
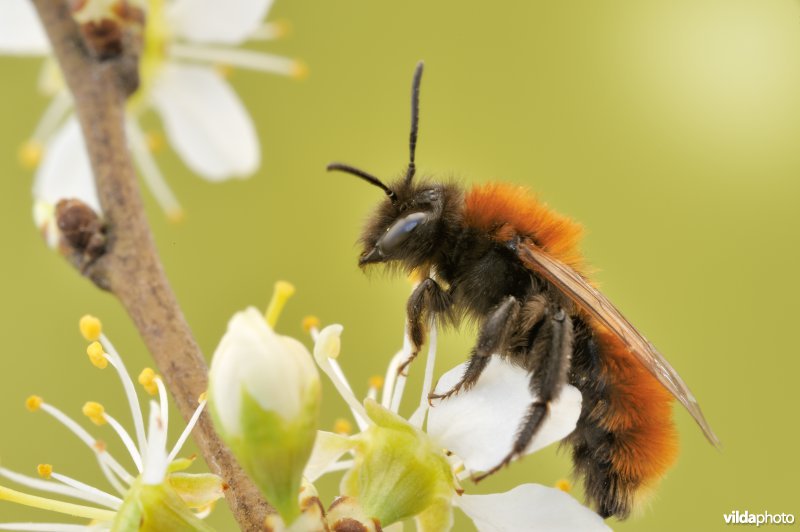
<point>592,301</point>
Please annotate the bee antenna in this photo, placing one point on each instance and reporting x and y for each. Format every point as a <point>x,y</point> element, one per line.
<point>412,144</point>
<point>369,178</point>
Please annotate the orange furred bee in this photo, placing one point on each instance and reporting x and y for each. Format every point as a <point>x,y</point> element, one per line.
<point>497,254</point>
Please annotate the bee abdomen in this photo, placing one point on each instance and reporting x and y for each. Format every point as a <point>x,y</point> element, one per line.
<point>625,439</point>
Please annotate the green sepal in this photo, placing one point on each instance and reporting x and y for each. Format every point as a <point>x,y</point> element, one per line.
<point>398,472</point>
<point>274,451</point>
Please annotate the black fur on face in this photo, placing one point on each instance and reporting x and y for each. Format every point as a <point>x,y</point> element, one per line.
<point>412,230</point>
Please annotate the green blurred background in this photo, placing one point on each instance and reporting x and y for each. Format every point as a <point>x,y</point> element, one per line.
<point>669,128</point>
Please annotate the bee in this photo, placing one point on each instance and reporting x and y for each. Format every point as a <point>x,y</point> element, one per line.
<point>497,254</point>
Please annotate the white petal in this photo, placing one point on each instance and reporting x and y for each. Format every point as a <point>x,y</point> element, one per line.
<point>480,425</point>
<point>206,122</point>
<point>529,507</point>
<point>328,448</point>
<point>21,32</point>
<point>65,171</point>
<point>228,22</point>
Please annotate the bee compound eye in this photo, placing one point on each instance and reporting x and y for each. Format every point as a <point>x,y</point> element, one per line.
<point>399,231</point>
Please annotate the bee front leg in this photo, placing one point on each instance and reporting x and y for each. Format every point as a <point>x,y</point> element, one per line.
<point>427,299</point>
<point>493,339</point>
<point>548,360</point>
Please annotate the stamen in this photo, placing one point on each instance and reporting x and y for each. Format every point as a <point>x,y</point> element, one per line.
<point>86,438</point>
<point>100,497</point>
<point>95,412</point>
<point>147,378</point>
<point>310,323</point>
<point>240,58</point>
<point>61,489</point>
<point>400,380</point>
<point>78,510</point>
<point>189,427</point>
<point>563,485</point>
<point>343,427</point>
<point>326,349</point>
<point>30,154</point>
<point>44,470</point>
<point>271,31</point>
<point>110,475</point>
<point>163,404</point>
<point>375,384</point>
<point>151,174</point>
<point>155,141</point>
<point>33,403</point>
<point>44,527</point>
<point>282,292</point>
<point>130,391</point>
<point>91,327</point>
<point>156,465</point>
<point>418,417</point>
<point>339,466</point>
<point>96,355</point>
<point>126,440</point>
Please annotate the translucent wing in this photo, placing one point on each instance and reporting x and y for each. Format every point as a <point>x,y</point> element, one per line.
<point>589,299</point>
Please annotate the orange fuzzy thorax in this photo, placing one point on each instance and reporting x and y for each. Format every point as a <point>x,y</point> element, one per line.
<point>504,211</point>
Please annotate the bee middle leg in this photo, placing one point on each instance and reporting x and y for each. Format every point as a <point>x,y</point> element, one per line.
<point>548,360</point>
<point>492,339</point>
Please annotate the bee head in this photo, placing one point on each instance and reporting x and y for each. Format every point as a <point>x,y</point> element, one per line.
<point>403,227</point>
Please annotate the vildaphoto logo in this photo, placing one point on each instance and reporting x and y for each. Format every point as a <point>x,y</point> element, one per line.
<point>764,518</point>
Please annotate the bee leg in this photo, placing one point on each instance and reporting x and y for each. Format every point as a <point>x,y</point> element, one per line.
<point>549,362</point>
<point>427,298</point>
<point>492,339</point>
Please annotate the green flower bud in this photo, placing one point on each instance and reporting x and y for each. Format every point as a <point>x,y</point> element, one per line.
<point>264,392</point>
<point>399,472</point>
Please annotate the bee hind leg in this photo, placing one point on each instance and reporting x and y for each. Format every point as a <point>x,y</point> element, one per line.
<point>493,338</point>
<point>548,360</point>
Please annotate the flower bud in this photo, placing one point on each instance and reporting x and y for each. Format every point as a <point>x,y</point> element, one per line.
<point>264,392</point>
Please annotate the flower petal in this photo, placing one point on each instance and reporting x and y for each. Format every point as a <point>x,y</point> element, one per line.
<point>480,425</point>
<point>529,507</point>
<point>206,122</point>
<point>21,33</point>
<point>65,171</point>
<point>328,448</point>
<point>213,21</point>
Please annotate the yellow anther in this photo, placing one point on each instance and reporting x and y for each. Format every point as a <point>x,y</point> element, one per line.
<point>44,470</point>
<point>96,355</point>
<point>281,28</point>
<point>33,403</point>
<point>176,215</point>
<point>147,378</point>
<point>203,397</point>
<point>91,328</point>
<point>155,141</point>
<point>95,412</point>
<point>376,382</point>
<point>299,70</point>
<point>310,322</point>
<point>30,154</point>
<point>224,70</point>
<point>283,291</point>
<point>563,485</point>
<point>342,426</point>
